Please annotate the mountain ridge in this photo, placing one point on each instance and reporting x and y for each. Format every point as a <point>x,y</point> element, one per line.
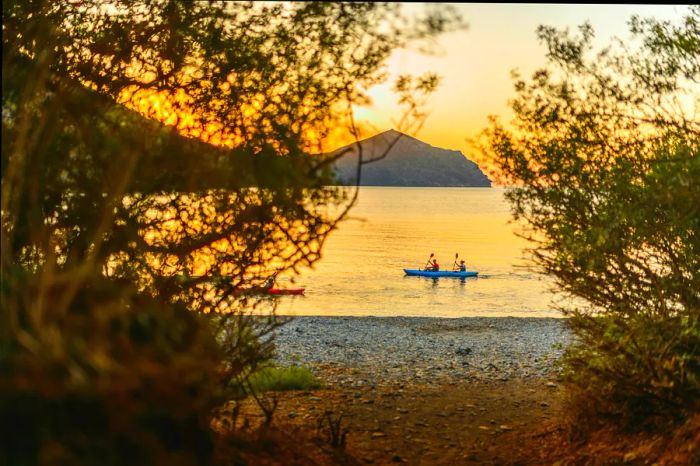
<point>404,160</point>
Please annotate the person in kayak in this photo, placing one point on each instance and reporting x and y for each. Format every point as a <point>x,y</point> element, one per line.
<point>434,267</point>
<point>270,283</point>
<point>462,266</point>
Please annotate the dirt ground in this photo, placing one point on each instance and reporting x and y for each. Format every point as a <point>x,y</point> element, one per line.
<point>482,423</point>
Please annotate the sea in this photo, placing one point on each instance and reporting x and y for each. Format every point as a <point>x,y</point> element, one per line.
<point>390,229</point>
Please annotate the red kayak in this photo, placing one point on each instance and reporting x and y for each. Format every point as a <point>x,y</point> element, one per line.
<point>280,291</point>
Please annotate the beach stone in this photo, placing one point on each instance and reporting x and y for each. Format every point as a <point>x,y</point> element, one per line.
<point>387,351</point>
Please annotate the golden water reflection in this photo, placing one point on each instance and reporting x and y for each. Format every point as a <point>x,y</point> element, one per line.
<point>361,269</point>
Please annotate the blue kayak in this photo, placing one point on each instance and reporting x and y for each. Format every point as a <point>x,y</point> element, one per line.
<point>440,273</point>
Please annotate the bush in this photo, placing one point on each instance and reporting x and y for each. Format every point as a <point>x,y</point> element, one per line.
<point>278,378</point>
<point>115,381</point>
<point>606,163</point>
<point>633,371</point>
<point>157,167</point>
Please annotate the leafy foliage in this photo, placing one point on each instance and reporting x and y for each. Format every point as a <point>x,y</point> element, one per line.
<point>122,234</point>
<point>605,154</point>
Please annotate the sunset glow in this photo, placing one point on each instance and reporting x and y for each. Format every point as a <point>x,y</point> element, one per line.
<point>475,67</point>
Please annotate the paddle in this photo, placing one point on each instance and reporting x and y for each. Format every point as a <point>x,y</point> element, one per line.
<point>455,266</point>
<point>428,263</point>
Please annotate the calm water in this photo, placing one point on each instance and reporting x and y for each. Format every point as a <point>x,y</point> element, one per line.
<point>361,270</point>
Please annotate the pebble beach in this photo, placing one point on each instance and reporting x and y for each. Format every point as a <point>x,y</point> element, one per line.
<point>375,351</point>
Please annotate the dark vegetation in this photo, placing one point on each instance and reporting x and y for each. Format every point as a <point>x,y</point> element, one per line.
<point>605,154</point>
<point>131,250</point>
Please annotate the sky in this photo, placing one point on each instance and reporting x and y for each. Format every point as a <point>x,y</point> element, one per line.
<point>475,64</point>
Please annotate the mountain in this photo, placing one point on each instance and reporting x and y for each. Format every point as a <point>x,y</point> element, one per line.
<point>409,162</point>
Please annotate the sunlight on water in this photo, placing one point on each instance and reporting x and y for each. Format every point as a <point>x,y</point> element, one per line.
<point>361,270</point>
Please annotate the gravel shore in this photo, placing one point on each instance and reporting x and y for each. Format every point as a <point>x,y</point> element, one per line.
<point>374,351</point>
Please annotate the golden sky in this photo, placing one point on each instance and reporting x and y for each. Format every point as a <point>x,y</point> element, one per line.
<point>475,64</point>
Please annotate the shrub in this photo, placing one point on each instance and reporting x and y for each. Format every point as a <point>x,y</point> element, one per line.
<point>605,159</point>
<point>159,163</point>
<point>284,378</point>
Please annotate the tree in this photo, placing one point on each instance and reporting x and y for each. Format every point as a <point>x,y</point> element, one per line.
<point>604,157</point>
<point>131,249</point>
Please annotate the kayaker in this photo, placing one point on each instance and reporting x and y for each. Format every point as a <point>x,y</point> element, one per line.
<point>462,266</point>
<point>434,267</point>
<point>269,283</point>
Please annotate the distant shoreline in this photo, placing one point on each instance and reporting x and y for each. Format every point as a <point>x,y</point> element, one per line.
<point>406,350</point>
